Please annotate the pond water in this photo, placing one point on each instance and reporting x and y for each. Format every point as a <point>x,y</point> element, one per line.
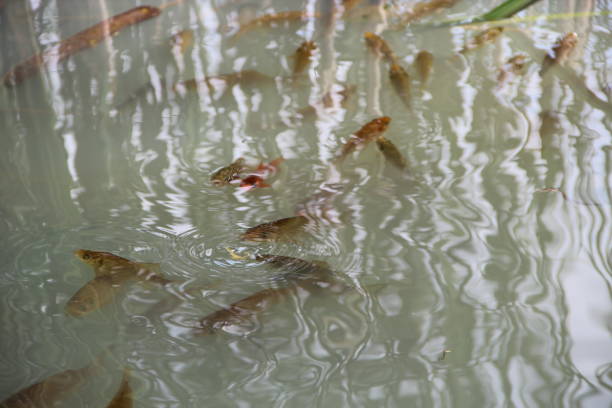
<point>478,276</point>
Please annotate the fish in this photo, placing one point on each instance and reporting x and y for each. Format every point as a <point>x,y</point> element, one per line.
<point>391,153</point>
<point>227,174</point>
<point>123,397</point>
<point>327,101</point>
<point>482,38</point>
<point>82,40</point>
<point>181,41</point>
<point>301,57</point>
<point>276,230</point>
<point>368,132</point>
<point>380,47</point>
<point>54,388</point>
<point>111,273</point>
<point>247,78</point>
<point>422,9</point>
<point>269,19</point>
<point>514,65</point>
<point>258,177</point>
<point>311,276</point>
<point>423,63</point>
<point>560,51</point>
<point>401,83</point>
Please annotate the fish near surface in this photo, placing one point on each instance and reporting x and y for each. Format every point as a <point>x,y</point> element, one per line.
<point>302,56</point>
<point>257,178</point>
<point>52,389</point>
<point>391,153</point>
<point>181,41</point>
<point>269,19</point>
<point>368,132</point>
<point>423,64</point>
<point>423,9</point>
<point>380,46</point>
<point>227,174</point>
<point>111,273</point>
<point>87,38</point>
<point>401,83</point>
<point>276,230</point>
<point>482,38</point>
<point>123,397</point>
<point>300,273</point>
<point>560,51</point>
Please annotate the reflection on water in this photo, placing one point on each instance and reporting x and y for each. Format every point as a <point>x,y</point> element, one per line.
<point>474,249</point>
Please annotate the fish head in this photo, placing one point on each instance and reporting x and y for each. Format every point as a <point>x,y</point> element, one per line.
<point>259,235</point>
<point>382,123</point>
<point>569,40</point>
<point>307,47</point>
<point>370,38</point>
<point>93,258</point>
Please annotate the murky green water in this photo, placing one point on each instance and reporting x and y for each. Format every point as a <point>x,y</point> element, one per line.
<point>469,286</point>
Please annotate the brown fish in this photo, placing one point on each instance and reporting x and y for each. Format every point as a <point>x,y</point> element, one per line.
<point>301,58</point>
<point>78,42</point>
<point>482,38</point>
<point>181,41</point>
<point>560,51</point>
<point>380,47</point>
<point>422,9</point>
<point>300,273</point>
<point>401,83</point>
<point>269,19</point>
<point>123,398</point>
<point>276,230</point>
<point>370,131</point>
<point>247,78</point>
<point>229,173</point>
<point>514,65</point>
<point>52,389</point>
<point>423,63</point>
<point>391,153</point>
<point>112,272</point>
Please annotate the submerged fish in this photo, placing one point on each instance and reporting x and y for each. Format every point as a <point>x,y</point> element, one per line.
<point>82,40</point>
<point>514,65</point>
<point>276,230</point>
<point>423,63</point>
<point>181,41</point>
<point>369,132</point>
<point>560,51</point>
<point>391,153</point>
<point>257,178</point>
<point>52,389</point>
<point>307,275</point>
<point>482,38</point>
<point>301,57</point>
<point>401,83</point>
<point>269,19</point>
<point>123,398</point>
<point>247,77</point>
<point>229,173</point>
<point>380,46</point>
<point>423,9</point>
<point>111,273</point>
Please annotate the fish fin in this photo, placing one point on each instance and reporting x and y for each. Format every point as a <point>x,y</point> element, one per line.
<point>276,162</point>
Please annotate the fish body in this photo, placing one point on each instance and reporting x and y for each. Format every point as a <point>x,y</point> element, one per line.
<point>302,56</point>
<point>299,273</point>
<point>228,173</point>
<point>514,65</point>
<point>269,19</point>
<point>560,51</point>
<point>368,132</point>
<point>380,47</point>
<point>423,63</point>
<point>424,8</point>
<point>52,389</point>
<point>181,41</point>
<point>82,40</point>
<point>401,83</point>
<point>111,273</point>
<point>391,153</point>
<point>123,398</point>
<point>482,38</point>
<point>246,78</point>
<point>258,177</point>
<point>275,230</point>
